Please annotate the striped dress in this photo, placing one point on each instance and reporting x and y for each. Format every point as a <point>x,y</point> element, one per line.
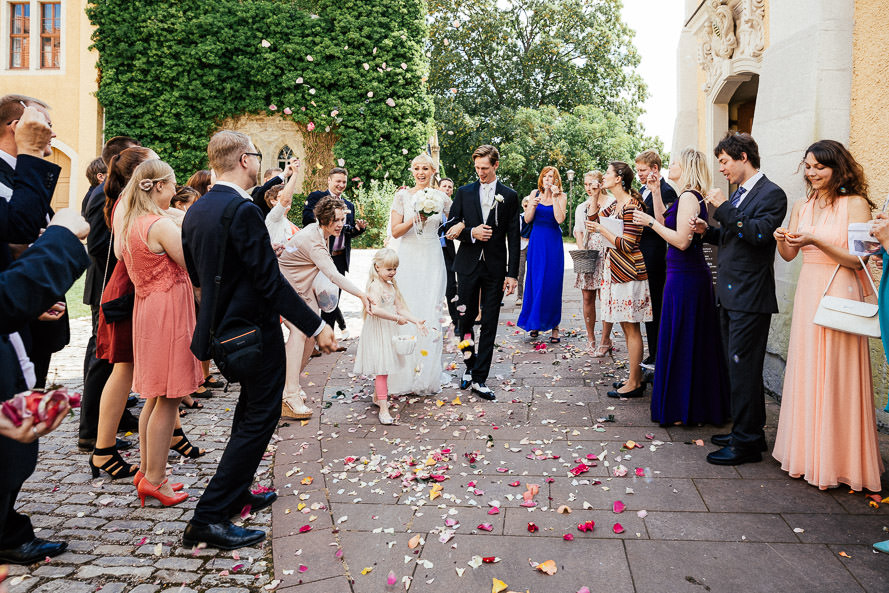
<point>625,294</point>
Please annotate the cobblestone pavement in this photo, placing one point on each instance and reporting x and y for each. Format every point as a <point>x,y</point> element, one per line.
<point>437,502</point>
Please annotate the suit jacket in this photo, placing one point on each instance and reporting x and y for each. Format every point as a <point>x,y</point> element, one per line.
<point>499,254</point>
<point>258,193</point>
<point>24,214</point>
<point>306,254</point>
<point>745,266</point>
<point>252,287</point>
<point>97,243</point>
<point>652,245</point>
<point>349,229</point>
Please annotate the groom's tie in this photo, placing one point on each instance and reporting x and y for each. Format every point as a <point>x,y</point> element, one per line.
<point>736,197</point>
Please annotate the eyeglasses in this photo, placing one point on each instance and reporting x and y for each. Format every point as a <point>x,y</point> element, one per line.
<point>258,155</point>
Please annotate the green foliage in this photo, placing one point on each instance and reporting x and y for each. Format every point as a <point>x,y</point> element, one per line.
<point>584,139</point>
<point>171,72</point>
<point>374,202</point>
<point>490,59</point>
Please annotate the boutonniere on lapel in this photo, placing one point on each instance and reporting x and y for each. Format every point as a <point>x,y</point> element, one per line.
<point>498,199</point>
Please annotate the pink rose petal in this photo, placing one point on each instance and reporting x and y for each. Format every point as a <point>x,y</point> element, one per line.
<point>303,568</point>
<point>618,506</point>
<point>618,528</point>
<point>486,527</point>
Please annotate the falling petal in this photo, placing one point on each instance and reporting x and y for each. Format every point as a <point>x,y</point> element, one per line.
<point>265,43</point>
<point>310,59</point>
<point>273,107</point>
<point>288,111</point>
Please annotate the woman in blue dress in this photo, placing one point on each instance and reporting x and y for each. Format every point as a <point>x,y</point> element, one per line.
<point>545,207</point>
<point>690,377</point>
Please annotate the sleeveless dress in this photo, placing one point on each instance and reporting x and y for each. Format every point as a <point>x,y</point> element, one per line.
<point>827,429</point>
<point>163,319</point>
<point>690,375</point>
<point>884,307</point>
<point>545,267</point>
<point>421,280</point>
<point>597,242</point>
<point>114,341</point>
<point>376,354</point>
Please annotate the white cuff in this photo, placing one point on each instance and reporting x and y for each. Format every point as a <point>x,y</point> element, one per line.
<point>319,330</point>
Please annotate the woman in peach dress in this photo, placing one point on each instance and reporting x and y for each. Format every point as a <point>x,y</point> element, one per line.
<point>827,429</point>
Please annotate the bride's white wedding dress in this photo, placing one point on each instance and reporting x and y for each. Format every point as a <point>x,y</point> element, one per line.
<point>421,280</point>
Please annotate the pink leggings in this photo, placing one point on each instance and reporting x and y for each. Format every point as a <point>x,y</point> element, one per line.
<point>381,387</point>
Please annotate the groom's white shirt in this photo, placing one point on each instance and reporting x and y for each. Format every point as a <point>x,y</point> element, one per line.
<point>486,193</point>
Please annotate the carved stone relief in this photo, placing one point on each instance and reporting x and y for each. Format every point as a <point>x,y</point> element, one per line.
<point>729,30</point>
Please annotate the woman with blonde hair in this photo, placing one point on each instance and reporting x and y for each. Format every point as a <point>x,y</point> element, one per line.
<point>690,376</point>
<point>546,208</point>
<point>164,369</point>
<point>417,214</point>
<point>598,203</point>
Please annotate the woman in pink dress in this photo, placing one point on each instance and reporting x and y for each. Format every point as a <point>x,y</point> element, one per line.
<point>827,430</point>
<point>164,368</point>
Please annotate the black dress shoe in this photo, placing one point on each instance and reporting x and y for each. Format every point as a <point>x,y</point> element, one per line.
<point>257,502</point>
<point>481,390</point>
<point>132,401</point>
<point>87,445</point>
<point>224,535</point>
<point>466,381</point>
<point>734,456</point>
<point>725,440</point>
<point>33,551</point>
<point>638,392</point>
<point>128,422</point>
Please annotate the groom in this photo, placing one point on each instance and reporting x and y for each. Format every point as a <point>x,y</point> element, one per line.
<point>489,211</point>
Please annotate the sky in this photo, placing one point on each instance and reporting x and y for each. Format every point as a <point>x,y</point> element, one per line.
<point>657,24</point>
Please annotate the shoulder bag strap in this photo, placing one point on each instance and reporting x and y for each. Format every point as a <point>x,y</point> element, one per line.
<point>866,273</point>
<point>227,216</point>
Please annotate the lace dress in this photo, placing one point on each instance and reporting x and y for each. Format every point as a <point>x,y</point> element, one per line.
<point>421,279</point>
<point>163,319</point>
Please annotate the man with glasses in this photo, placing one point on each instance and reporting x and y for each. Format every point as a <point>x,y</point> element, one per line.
<point>253,290</point>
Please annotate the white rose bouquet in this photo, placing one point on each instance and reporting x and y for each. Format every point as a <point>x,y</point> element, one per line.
<point>427,203</point>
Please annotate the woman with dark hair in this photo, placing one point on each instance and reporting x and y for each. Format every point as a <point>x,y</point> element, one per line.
<point>546,208</point>
<point>306,255</point>
<point>201,181</point>
<point>827,429</point>
<point>625,296</point>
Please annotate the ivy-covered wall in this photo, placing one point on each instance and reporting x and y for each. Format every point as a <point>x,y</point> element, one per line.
<point>171,72</point>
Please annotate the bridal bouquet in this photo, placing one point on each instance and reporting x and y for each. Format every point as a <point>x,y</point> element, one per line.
<point>427,203</point>
<point>42,407</point>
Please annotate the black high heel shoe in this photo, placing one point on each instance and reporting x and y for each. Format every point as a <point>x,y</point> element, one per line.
<point>115,467</point>
<point>184,446</point>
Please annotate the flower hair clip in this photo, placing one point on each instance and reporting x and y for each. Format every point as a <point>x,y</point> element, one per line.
<point>146,184</point>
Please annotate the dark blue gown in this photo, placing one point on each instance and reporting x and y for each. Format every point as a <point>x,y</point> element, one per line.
<point>690,377</point>
<point>542,304</point>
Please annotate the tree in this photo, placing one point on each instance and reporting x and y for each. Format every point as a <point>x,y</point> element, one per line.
<point>583,139</point>
<point>490,58</point>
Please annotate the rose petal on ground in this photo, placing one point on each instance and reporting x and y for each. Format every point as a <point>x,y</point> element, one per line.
<point>486,527</point>
<point>497,586</point>
<point>548,567</point>
<point>413,542</point>
<point>618,506</point>
<point>618,528</point>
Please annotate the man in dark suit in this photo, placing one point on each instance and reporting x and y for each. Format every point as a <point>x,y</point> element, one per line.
<point>745,289</point>
<point>254,290</point>
<point>487,261</point>
<point>653,247</point>
<point>450,252</point>
<point>96,371</point>
<point>270,179</point>
<point>341,246</point>
<point>28,287</point>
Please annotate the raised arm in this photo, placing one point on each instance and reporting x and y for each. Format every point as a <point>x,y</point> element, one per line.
<point>679,238</point>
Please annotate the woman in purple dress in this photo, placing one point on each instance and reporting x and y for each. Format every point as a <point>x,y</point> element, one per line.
<point>690,377</point>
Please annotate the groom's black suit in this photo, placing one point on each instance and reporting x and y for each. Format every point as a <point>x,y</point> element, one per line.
<point>745,293</point>
<point>484,265</point>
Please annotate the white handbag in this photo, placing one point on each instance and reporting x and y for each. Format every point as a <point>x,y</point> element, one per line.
<point>846,315</point>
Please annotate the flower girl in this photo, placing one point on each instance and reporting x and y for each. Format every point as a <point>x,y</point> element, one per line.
<point>377,354</point>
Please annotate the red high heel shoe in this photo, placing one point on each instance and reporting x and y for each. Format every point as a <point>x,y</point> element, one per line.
<point>147,489</point>
<point>176,486</point>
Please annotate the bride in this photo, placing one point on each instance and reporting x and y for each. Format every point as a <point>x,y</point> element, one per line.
<point>421,276</point>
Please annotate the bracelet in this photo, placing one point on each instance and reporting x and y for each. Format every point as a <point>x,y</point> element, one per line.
<point>650,224</point>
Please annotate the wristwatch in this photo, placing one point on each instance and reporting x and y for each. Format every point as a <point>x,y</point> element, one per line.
<point>650,224</point>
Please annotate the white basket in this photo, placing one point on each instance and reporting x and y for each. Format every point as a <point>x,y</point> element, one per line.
<point>404,344</point>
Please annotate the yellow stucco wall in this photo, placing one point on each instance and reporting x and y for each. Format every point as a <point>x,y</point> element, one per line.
<point>869,127</point>
<point>77,117</point>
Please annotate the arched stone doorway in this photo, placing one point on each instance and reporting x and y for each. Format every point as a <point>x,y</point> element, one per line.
<point>279,137</point>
